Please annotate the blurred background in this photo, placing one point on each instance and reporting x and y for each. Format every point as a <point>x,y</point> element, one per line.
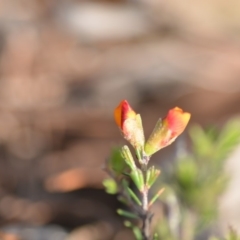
<point>66,64</point>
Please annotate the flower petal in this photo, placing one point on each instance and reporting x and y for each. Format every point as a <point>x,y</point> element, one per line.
<point>130,124</point>
<point>122,112</point>
<point>177,121</point>
<point>167,130</point>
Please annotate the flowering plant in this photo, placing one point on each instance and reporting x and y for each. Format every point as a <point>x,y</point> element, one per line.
<point>124,169</point>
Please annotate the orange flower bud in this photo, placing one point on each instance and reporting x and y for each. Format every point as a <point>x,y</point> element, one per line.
<point>167,130</point>
<point>130,124</point>
<point>177,121</point>
<point>122,113</point>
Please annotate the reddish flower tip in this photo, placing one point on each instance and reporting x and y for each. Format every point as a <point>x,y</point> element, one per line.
<point>130,124</point>
<point>177,120</point>
<point>122,112</point>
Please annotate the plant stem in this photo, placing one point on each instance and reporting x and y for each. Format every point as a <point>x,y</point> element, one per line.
<point>145,217</point>
<point>145,205</point>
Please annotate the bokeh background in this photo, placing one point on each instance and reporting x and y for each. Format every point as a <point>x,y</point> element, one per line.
<point>66,64</point>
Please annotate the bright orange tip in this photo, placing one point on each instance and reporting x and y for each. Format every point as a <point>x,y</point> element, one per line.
<point>122,112</point>
<point>177,120</point>
<point>130,124</point>
<point>118,114</point>
<point>167,130</point>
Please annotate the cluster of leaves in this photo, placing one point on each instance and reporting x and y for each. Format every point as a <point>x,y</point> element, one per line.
<point>196,181</point>
<point>124,174</point>
<point>193,183</point>
<point>124,169</point>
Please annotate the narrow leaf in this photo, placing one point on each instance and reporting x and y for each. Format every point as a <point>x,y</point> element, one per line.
<point>127,155</point>
<point>135,178</point>
<point>151,176</point>
<point>125,213</point>
<point>134,196</point>
<point>141,180</point>
<point>122,200</point>
<point>137,233</point>
<point>156,197</point>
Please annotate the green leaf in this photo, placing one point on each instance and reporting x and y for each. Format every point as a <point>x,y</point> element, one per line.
<point>139,154</point>
<point>116,163</point>
<point>110,186</point>
<point>187,172</point>
<point>134,196</point>
<point>228,139</point>
<point>128,214</point>
<point>127,155</point>
<point>155,197</point>
<point>152,144</point>
<point>151,176</point>
<point>202,144</point>
<point>122,199</point>
<point>141,180</point>
<point>138,179</point>
<point>137,233</point>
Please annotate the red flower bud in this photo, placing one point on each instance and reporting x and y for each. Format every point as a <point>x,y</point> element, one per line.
<point>167,130</point>
<point>130,124</point>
